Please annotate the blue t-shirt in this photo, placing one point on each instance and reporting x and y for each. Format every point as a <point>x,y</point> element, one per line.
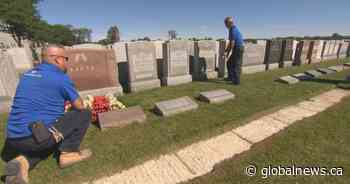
<point>236,35</point>
<point>40,96</point>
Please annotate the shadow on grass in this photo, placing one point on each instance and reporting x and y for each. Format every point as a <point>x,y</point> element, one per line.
<point>328,81</point>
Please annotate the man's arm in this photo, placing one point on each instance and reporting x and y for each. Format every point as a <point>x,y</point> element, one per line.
<point>71,94</point>
<point>229,48</point>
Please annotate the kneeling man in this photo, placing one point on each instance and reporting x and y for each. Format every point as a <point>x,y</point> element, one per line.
<point>37,125</point>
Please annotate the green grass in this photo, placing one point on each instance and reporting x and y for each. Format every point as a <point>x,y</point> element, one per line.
<point>118,149</point>
<point>323,140</point>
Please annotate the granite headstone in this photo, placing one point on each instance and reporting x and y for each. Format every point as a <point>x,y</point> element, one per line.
<point>287,54</point>
<point>8,76</point>
<point>202,65</point>
<point>273,54</point>
<point>222,59</point>
<point>142,66</point>
<point>253,57</point>
<point>176,63</point>
<point>20,59</point>
<point>94,70</point>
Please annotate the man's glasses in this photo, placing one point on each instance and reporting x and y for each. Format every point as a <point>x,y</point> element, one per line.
<point>66,59</point>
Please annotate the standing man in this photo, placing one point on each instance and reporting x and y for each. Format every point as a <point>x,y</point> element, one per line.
<point>37,125</point>
<point>236,48</point>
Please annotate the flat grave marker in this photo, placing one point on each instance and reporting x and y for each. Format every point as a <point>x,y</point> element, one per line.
<point>337,68</point>
<point>121,118</point>
<point>216,96</point>
<point>326,71</point>
<point>288,79</point>
<point>175,106</point>
<point>314,73</point>
<point>302,76</point>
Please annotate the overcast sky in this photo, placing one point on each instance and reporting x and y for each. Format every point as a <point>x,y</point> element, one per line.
<point>200,18</point>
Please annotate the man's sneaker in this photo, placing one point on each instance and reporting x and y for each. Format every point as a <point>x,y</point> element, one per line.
<point>69,158</point>
<point>16,171</point>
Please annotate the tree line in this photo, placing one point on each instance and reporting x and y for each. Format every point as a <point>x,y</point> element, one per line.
<point>21,18</point>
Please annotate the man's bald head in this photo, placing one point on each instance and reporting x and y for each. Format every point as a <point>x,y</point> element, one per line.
<point>56,55</point>
<point>229,22</point>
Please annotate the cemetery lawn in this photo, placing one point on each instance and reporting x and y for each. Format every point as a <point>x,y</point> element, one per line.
<point>119,149</point>
<point>319,141</point>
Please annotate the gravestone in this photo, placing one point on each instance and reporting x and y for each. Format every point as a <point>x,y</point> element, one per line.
<point>289,79</point>
<point>253,69</point>
<point>287,53</point>
<point>120,51</point>
<point>5,104</point>
<point>326,50</point>
<point>175,106</point>
<point>20,59</point>
<point>314,73</point>
<point>330,50</point>
<point>159,49</point>
<point>176,63</point>
<point>88,46</point>
<point>274,53</point>
<point>337,68</point>
<point>337,48</point>
<point>295,46</point>
<point>94,71</point>
<point>302,76</point>
<point>222,59</point>
<point>253,58</point>
<point>343,50</point>
<point>303,52</point>
<point>254,54</point>
<point>8,76</point>
<point>320,50</point>
<point>121,118</point>
<point>325,71</point>
<point>202,65</point>
<point>314,50</point>
<point>216,96</point>
<point>142,65</point>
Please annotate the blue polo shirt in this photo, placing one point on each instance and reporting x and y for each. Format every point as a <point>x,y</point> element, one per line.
<point>236,35</point>
<point>40,96</point>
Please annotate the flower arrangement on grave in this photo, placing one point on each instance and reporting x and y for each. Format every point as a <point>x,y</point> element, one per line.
<point>99,104</point>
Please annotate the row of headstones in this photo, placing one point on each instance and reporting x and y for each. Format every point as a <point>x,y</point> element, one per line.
<point>311,74</point>
<point>164,108</point>
<point>147,65</point>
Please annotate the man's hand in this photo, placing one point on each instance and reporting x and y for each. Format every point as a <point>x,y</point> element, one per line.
<point>78,104</point>
<point>229,48</point>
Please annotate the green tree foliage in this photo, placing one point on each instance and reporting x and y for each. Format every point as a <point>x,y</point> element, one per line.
<point>81,35</point>
<point>103,42</point>
<point>21,16</point>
